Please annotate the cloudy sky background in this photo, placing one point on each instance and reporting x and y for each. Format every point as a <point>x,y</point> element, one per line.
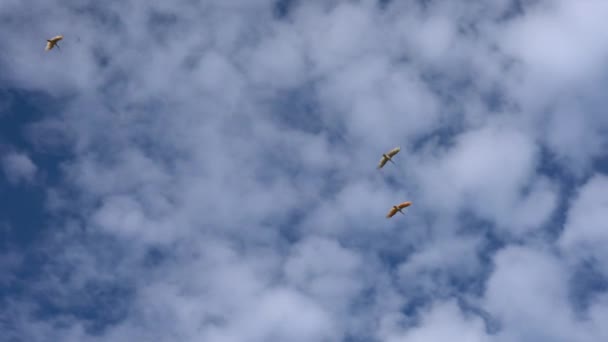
<point>205,170</point>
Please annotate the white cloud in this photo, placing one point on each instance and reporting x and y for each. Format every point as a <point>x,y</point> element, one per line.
<point>18,167</point>
<point>529,291</point>
<point>456,258</point>
<point>487,171</point>
<point>325,270</point>
<point>568,43</point>
<point>526,291</point>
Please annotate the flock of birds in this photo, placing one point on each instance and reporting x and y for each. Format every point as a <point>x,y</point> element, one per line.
<point>386,157</point>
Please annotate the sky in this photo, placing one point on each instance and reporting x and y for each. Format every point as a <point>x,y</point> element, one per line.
<point>206,170</point>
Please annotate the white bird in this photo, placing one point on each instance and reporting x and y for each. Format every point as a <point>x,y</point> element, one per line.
<point>386,157</point>
<point>50,43</point>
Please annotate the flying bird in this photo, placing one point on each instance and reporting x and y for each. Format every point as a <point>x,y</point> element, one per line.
<point>50,43</point>
<point>386,157</point>
<point>398,208</point>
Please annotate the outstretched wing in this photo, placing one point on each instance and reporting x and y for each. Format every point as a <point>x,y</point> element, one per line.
<point>391,213</point>
<point>382,162</point>
<point>56,38</point>
<point>394,151</point>
<point>404,205</point>
<point>49,46</point>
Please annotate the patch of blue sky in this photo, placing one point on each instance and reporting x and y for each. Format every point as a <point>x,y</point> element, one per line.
<point>587,284</point>
<point>22,206</point>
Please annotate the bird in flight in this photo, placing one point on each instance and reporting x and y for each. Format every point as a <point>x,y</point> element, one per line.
<point>386,157</point>
<point>398,208</point>
<point>50,43</point>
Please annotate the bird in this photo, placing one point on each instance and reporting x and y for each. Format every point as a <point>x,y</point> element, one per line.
<point>386,157</point>
<point>398,208</point>
<point>50,43</point>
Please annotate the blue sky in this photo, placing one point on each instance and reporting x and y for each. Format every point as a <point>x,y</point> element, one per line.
<point>205,171</point>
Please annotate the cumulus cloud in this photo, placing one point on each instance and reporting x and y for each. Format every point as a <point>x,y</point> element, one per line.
<point>217,176</point>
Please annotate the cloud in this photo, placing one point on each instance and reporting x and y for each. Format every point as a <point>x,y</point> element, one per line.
<point>525,291</point>
<point>560,54</point>
<point>441,322</point>
<point>566,64</point>
<point>528,290</point>
<point>584,231</point>
<point>490,171</point>
<point>440,265</point>
<point>18,167</point>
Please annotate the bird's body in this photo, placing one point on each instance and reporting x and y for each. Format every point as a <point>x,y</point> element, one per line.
<point>50,43</point>
<point>386,157</point>
<point>398,208</point>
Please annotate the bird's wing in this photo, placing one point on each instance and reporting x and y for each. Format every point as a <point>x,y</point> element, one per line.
<point>391,213</point>
<point>57,38</point>
<point>49,46</point>
<point>382,162</point>
<point>394,151</point>
<point>404,205</point>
